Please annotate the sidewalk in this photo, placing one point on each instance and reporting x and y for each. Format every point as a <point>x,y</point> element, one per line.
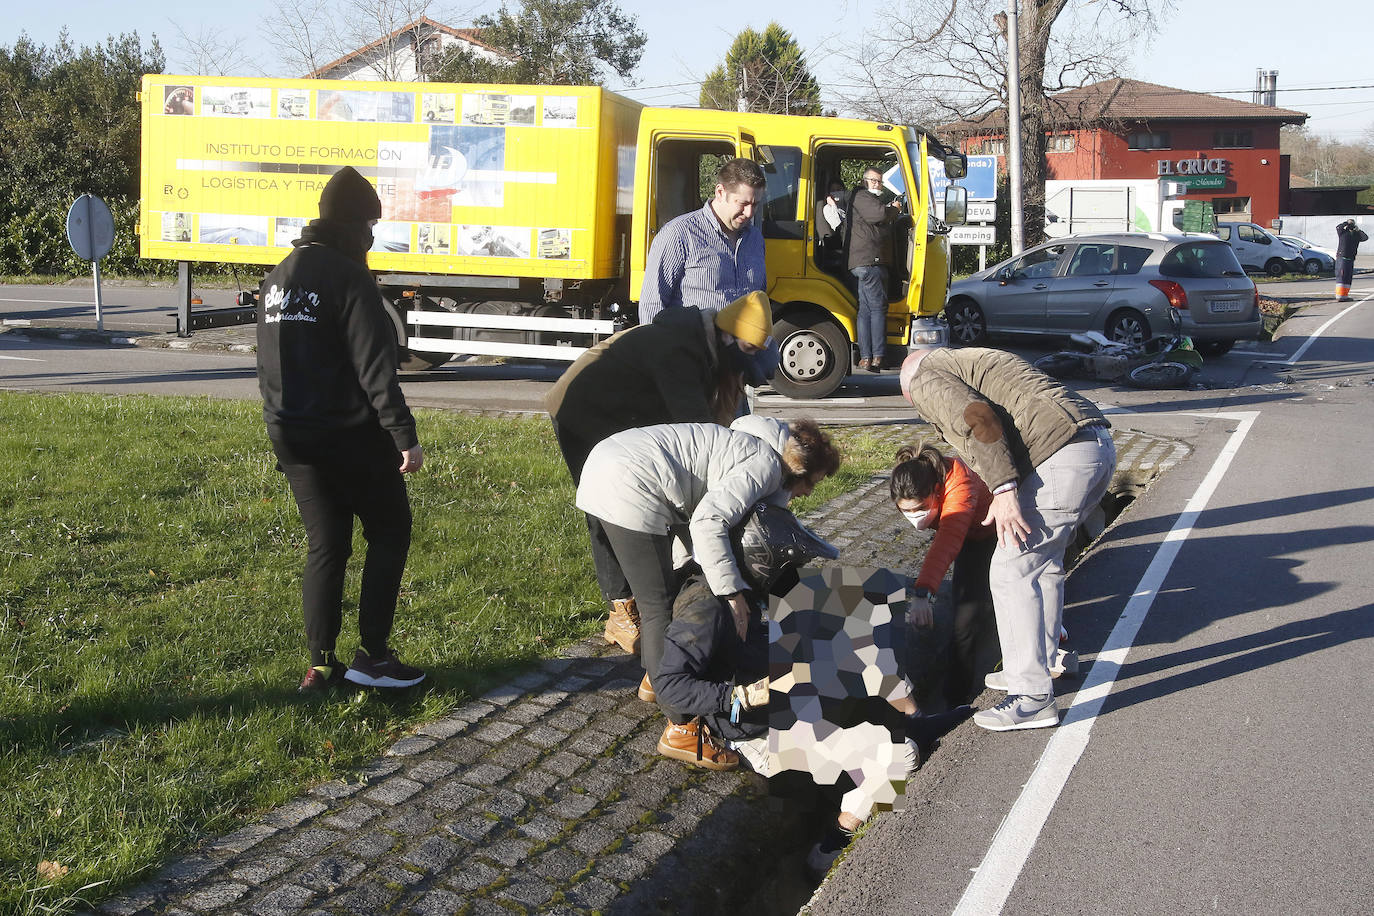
<point>546,795</point>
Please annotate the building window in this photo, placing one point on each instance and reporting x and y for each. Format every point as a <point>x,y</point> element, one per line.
<point>1059,143</point>
<point>992,148</point>
<point>1158,139</point>
<point>1222,205</point>
<point>1233,139</point>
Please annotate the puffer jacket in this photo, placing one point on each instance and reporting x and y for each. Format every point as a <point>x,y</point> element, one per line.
<point>706,477</point>
<point>870,233</point>
<point>1001,414</point>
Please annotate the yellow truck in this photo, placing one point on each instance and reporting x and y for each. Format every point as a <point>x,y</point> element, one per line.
<point>528,238</point>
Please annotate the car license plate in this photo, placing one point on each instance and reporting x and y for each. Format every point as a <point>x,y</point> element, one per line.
<point>1219,306</point>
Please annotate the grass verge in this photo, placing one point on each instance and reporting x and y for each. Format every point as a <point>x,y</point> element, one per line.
<point>150,632</point>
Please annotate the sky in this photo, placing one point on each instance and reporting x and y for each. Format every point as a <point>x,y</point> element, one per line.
<point>1318,47</point>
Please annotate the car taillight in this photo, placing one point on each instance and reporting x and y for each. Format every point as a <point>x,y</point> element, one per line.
<point>1177,296</point>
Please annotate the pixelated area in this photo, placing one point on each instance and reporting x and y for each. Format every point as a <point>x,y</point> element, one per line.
<point>834,644</point>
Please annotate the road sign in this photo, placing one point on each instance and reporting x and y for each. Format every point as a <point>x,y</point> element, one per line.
<point>981,211</point>
<point>973,235</point>
<point>90,228</point>
<point>981,180</point>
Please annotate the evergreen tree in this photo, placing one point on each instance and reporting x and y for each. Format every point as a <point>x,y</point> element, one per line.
<point>766,70</point>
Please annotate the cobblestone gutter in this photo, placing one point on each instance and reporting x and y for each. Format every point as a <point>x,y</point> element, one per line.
<point>546,795</point>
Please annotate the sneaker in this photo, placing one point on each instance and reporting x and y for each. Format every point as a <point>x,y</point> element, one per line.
<point>385,671</point>
<point>325,677</point>
<point>1019,711</point>
<point>822,856</point>
<point>996,680</point>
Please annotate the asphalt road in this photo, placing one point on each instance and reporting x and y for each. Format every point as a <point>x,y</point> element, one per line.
<point>1217,757</point>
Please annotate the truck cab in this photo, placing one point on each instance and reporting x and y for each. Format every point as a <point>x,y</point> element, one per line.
<point>809,283</point>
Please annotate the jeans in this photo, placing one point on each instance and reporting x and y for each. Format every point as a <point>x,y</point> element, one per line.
<point>872,320</point>
<point>1028,582</point>
<point>334,476</point>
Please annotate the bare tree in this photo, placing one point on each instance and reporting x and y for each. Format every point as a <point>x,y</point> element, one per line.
<point>946,61</point>
<point>209,52</point>
<point>309,34</point>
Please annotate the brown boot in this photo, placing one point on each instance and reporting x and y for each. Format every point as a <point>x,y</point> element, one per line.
<point>646,691</point>
<point>622,627</point>
<point>693,742</point>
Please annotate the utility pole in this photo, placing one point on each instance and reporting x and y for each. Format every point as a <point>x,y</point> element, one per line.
<point>743,103</point>
<point>1014,128</point>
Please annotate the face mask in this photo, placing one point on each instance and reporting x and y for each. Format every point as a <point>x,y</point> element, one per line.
<point>920,519</point>
<point>876,191</point>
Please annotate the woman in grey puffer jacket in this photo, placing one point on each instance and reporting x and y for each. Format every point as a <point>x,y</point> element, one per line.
<point>698,479</point>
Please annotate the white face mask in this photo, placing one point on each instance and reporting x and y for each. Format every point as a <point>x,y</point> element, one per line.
<point>920,519</point>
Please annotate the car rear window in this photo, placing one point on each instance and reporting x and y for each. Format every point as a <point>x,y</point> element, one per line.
<point>1201,259</point>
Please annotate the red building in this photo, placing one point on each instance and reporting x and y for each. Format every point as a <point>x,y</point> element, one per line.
<point>1226,151</point>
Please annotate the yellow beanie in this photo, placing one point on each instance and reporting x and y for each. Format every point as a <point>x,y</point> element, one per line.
<point>750,318</point>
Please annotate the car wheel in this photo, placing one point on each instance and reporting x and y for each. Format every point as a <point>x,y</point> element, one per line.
<point>1215,347</point>
<point>1127,326</point>
<point>814,354</point>
<point>1275,267</point>
<point>967,325</point>
<point>1312,266</point>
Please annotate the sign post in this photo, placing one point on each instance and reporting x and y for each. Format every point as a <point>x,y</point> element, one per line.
<point>90,230</point>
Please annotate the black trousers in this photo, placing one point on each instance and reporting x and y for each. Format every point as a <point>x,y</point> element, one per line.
<point>336,475</point>
<point>646,561</point>
<point>609,576</point>
<point>975,649</point>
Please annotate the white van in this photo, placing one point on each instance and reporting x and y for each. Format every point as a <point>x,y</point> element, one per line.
<point>1259,250</point>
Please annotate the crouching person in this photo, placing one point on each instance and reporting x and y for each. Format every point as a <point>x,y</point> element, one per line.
<point>712,684</point>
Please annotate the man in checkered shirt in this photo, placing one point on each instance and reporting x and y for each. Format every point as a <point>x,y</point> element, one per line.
<point>709,257</point>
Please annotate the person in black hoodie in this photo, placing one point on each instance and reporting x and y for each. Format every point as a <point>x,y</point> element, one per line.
<point>340,428</point>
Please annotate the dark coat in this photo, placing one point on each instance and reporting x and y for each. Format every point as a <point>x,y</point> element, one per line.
<point>1348,239</point>
<point>326,347</point>
<point>704,658</point>
<point>870,236</point>
<point>662,372</point>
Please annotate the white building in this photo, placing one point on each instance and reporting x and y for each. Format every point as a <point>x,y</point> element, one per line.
<point>406,54</point>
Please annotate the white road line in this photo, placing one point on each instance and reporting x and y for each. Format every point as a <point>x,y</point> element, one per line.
<point>995,876</point>
<point>1312,338</point>
<point>24,359</point>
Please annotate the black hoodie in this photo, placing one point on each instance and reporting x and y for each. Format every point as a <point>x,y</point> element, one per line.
<point>326,347</point>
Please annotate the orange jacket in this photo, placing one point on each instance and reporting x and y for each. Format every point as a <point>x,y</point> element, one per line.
<point>963,506</point>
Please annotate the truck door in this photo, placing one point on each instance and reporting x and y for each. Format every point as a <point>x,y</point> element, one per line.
<point>678,176</point>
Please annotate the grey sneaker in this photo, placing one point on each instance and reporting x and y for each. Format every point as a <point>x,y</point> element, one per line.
<point>1019,711</point>
<point>997,680</point>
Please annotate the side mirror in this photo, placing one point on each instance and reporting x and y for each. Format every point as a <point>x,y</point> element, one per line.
<point>956,166</point>
<point>956,205</point>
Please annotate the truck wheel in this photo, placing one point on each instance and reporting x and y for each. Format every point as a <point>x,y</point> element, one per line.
<point>967,325</point>
<point>1128,326</point>
<point>1274,267</point>
<point>815,355</point>
<point>408,360</point>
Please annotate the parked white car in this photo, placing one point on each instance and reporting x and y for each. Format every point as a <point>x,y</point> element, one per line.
<point>1258,250</point>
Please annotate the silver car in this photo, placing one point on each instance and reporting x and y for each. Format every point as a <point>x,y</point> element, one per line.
<point>1121,284</point>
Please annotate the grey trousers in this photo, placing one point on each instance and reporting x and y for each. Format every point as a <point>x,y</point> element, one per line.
<point>1028,582</point>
